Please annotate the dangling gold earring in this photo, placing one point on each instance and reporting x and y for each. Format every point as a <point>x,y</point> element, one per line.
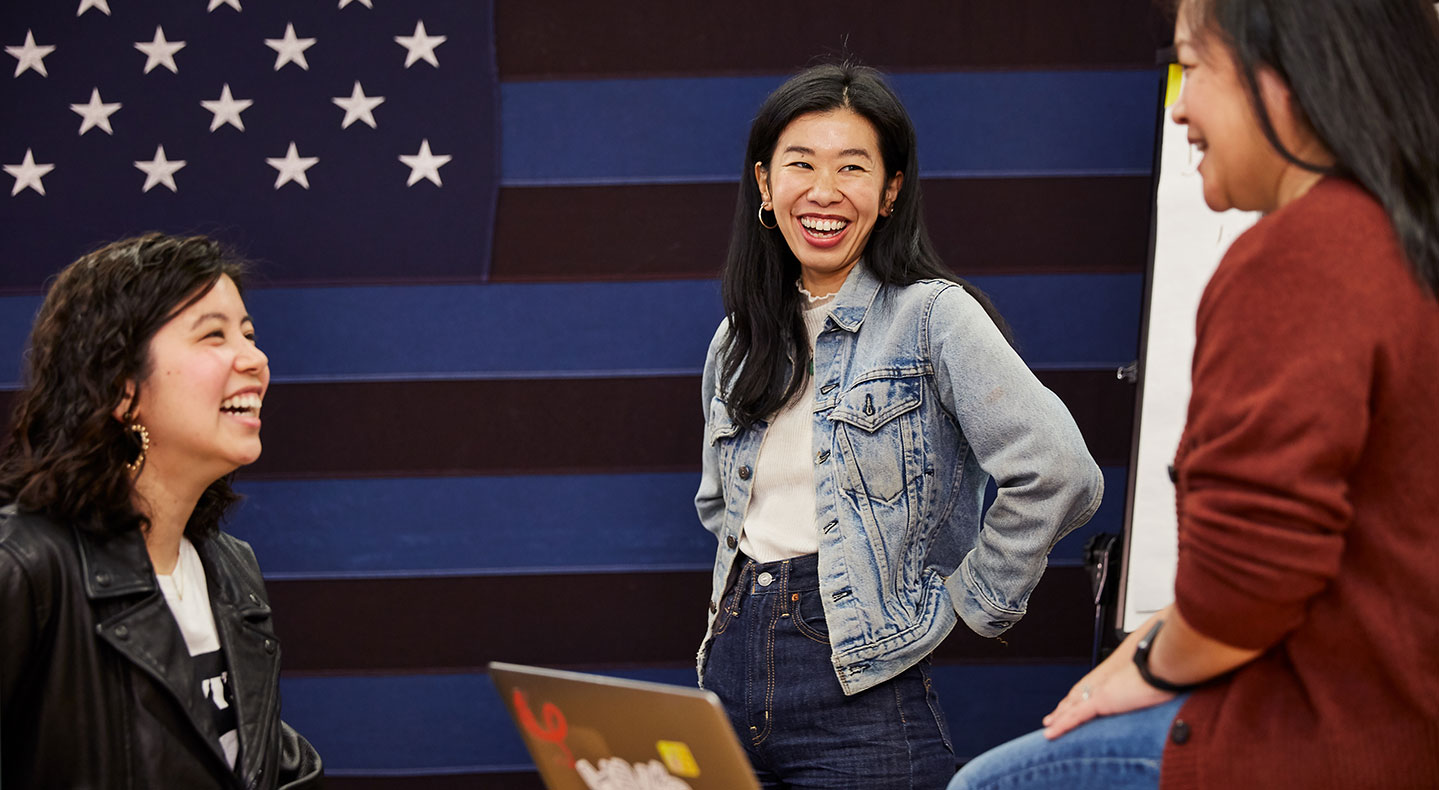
<point>763,207</point>
<point>143,436</point>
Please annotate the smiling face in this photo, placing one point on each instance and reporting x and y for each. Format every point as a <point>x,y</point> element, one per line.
<point>200,400</point>
<point>826,184</point>
<point>1241,168</point>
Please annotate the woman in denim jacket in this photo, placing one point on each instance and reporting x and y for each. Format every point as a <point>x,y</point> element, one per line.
<point>857,400</point>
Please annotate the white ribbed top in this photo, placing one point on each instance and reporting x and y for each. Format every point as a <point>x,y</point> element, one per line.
<point>780,521</point>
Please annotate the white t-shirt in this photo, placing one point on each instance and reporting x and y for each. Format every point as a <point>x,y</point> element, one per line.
<point>189,599</point>
<point>779,523</point>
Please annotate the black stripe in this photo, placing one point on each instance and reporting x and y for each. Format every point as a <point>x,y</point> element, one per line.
<point>659,38</point>
<point>673,231</point>
<point>564,426</point>
<point>464,428</point>
<point>8,400</point>
<point>583,621</point>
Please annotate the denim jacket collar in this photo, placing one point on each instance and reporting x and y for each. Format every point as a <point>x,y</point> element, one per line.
<point>855,298</point>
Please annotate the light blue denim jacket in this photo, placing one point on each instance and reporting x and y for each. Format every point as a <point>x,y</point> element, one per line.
<point>918,401</point>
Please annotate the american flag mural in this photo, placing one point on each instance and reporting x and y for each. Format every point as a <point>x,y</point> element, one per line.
<point>322,139</point>
<point>488,237</point>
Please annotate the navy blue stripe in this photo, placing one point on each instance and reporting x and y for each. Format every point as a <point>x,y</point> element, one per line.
<point>693,129</point>
<point>428,724</point>
<point>594,329</point>
<point>17,315</point>
<point>504,525</point>
<point>474,525</point>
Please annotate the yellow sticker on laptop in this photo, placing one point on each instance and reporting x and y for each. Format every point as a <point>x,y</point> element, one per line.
<point>678,758</point>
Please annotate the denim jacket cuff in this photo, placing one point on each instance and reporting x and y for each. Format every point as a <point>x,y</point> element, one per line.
<point>983,616</point>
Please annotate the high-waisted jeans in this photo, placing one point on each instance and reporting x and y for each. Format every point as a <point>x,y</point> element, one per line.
<point>770,664</point>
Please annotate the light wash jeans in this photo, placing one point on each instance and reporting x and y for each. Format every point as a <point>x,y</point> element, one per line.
<point>1108,753</point>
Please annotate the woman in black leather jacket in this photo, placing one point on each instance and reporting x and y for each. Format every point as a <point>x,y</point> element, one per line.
<point>136,644</point>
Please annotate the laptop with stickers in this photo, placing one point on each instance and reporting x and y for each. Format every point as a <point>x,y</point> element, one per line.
<point>591,732</point>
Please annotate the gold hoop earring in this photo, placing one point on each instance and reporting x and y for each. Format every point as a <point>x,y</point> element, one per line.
<point>143,436</point>
<point>762,208</point>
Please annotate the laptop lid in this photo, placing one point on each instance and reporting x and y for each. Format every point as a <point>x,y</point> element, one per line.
<point>591,732</point>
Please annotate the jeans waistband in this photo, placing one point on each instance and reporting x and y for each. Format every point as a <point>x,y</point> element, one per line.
<point>795,574</point>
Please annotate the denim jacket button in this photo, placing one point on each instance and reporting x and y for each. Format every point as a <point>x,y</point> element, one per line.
<point>744,473</point>
<point>714,607</point>
<point>822,457</point>
<point>828,388</point>
<point>730,541</point>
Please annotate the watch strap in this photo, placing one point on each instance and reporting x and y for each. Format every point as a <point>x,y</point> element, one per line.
<point>1141,661</point>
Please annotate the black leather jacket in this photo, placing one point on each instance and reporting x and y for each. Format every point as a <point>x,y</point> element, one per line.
<point>95,684</point>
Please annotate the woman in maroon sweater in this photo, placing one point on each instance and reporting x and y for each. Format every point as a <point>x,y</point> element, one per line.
<point>1302,650</point>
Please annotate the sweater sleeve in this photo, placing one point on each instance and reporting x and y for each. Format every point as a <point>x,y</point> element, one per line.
<point>1277,420</point>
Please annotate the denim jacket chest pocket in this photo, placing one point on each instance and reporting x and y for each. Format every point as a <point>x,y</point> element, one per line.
<point>724,434</point>
<point>719,424</point>
<point>879,433</point>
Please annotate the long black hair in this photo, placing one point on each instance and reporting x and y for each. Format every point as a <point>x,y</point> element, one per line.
<point>66,454</point>
<point>766,326</point>
<point>1365,76</point>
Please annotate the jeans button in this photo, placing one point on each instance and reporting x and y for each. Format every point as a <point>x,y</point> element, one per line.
<point>744,473</point>
<point>765,579</point>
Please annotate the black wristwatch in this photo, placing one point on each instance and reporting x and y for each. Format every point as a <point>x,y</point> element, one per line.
<point>1141,660</point>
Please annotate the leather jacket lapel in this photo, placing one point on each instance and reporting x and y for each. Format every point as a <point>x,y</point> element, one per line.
<point>134,619</point>
<point>252,653</point>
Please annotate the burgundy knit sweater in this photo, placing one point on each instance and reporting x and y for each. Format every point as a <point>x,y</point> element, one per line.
<point>1308,499</point>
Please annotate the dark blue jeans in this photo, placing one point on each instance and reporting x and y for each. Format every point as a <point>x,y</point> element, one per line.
<point>769,662</point>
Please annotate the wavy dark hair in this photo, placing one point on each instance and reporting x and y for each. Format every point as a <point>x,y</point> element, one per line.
<point>66,453</point>
<point>766,325</point>
<point>1365,76</point>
